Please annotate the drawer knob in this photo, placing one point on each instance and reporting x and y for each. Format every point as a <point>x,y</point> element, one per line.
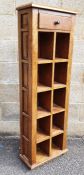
<point>56,22</point>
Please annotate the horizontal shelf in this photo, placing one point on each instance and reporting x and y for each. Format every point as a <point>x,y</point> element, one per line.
<point>58,85</point>
<point>41,136</point>
<point>42,88</point>
<point>42,112</point>
<point>44,61</point>
<point>57,109</point>
<point>46,30</point>
<point>60,60</point>
<point>56,130</point>
<point>56,60</point>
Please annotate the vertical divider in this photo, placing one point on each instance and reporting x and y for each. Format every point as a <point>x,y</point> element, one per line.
<point>54,43</point>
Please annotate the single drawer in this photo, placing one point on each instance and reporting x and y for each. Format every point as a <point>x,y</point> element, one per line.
<point>58,22</point>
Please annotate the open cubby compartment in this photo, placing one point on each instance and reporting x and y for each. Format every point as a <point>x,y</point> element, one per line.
<point>59,100</point>
<point>43,129</point>
<point>44,77</point>
<point>62,45</point>
<point>45,45</point>
<point>57,144</point>
<point>44,104</point>
<point>60,75</point>
<point>43,151</point>
<point>58,123</point>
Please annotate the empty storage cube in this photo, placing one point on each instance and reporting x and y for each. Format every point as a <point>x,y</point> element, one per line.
<point>44,77</point>
<point>43,128</point>
<point>58,123</point>
<point>43,150</point>
<point>57,144</point>
<point>44,104</point>
<point>60,75</point>
<point>59,100</point>
<point>62,45</point>
<point>45,45</point>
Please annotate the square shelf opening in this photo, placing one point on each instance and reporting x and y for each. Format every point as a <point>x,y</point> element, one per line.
<point>59,100</point>
<point>57,144</point>
<point>62,45</point>
<point>44,77</point>
<point>43,129</point>
<point>58,124</point>
<point>43,149</point>
<point>44,104</point>
<point>45,45</point>
<point>60,75</point>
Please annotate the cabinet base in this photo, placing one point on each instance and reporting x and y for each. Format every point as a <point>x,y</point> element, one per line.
<point>25,160</point>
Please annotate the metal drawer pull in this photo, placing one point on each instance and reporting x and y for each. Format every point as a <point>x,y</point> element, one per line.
<point>56,22</point>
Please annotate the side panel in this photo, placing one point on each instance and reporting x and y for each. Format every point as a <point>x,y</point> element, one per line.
<point>68,84</point>
<point>25,73</point>
<point>34,57</point>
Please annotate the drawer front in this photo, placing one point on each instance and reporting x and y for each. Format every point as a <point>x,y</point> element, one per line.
<point>58,22</point>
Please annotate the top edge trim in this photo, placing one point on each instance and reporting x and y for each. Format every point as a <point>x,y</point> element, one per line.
<point>45,7</point>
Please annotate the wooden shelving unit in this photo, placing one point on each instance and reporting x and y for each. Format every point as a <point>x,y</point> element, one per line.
<point>45,51</point>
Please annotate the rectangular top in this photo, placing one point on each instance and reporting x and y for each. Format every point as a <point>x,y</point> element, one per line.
<point>44,7</point>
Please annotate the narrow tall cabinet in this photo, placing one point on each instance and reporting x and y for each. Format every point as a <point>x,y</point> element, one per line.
<point>45,56</point>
